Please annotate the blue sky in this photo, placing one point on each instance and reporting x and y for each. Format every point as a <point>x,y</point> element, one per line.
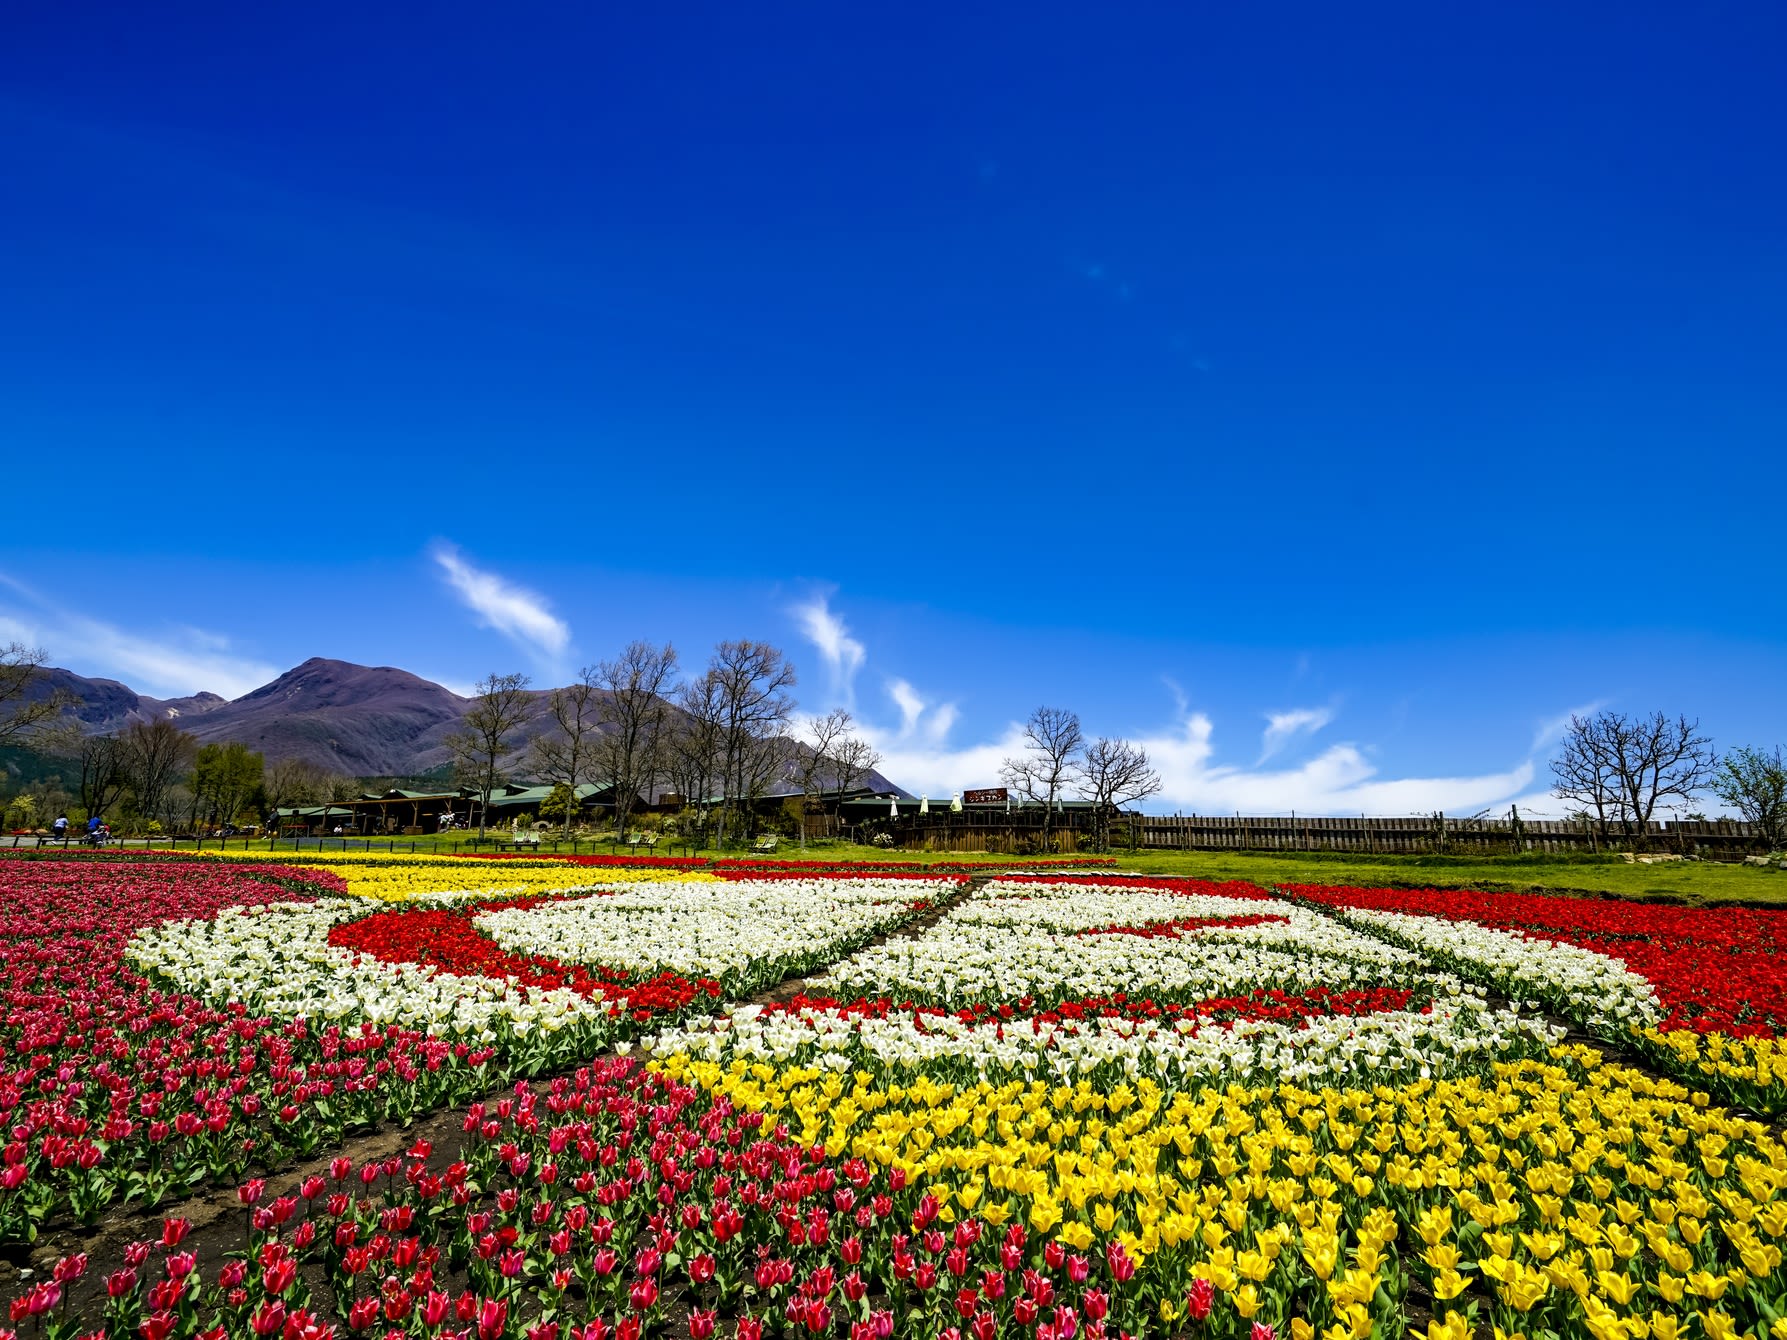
<point>1334,399</point>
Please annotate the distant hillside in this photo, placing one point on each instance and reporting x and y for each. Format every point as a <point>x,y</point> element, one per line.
<point>107,705</point>
<point>364,721</point>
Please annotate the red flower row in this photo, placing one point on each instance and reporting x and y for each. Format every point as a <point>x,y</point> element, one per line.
<point>828,871</point>
<point>1716,969</point>
<point>109,1087</point>
<point>448,938</point>
<point>1166,930</point>
<point>1317,1003</point>
<point>568,858</point>
<point>615,1196</point>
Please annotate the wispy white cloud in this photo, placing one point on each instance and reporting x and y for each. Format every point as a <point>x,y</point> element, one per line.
<point>918,716</point>
<point>843,654</point>
<point>925,766</point>
<point>1340,780</point>
<point>1551,730</point>
<point>1281,727</point>
<point>937,728</point>
<point>171,663</point>
<point>520,615</point>
<point>910,704</point>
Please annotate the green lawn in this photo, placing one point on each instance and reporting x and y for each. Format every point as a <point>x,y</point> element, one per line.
<point>1691,881</point>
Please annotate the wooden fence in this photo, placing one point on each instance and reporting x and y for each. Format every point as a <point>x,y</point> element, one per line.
<point>1716,839</point>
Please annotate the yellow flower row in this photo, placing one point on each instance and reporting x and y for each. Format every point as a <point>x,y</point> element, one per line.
<point>399,877</point>
<point>495,879</point>
<point>1751,1072</point>
<point>1572,1195</point>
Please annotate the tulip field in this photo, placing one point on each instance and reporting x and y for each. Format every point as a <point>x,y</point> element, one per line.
<point>686,1099</point>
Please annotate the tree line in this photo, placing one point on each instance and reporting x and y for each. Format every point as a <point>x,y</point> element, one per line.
<point>720,738</point>
<point>1620,770</point>
<point>723,737</point>
<point>153,777</point>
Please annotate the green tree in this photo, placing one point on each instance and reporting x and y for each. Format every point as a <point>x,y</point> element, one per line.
<point>224,776</point>
<point>560,805</point>
<point>1755,785</point>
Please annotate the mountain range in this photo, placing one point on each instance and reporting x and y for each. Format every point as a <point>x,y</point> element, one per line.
<point>359,720</point>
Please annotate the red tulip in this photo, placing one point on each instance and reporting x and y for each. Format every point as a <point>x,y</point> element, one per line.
<point>1199,1299</point>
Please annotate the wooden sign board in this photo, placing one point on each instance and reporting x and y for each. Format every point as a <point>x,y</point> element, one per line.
<point>996,795</point>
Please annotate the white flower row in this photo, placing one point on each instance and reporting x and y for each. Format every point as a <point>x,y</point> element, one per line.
<point>1078,907</point>
<point>278,960</point>
<point>1021,941</point>
<point>1595,989</point>
<point>968,959</point>
<point>735,931</point>
<point>1395,1045</point>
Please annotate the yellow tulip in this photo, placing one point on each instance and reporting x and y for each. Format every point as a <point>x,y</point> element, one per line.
<point>1708,1285</point>
<point>1448,1284</point>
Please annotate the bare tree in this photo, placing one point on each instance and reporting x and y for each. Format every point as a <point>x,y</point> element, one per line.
<point>1624,767</point>
<point>818,762</point>
<point>1052,745</point>
<point>103,773</point>
<point>501,707</point>
<point>1584,772</point>
<point>853,759</point>
<point>156,752</point>
<point>751,680</point>
<point>1111,774</point>
<point>1755,785</point>
<point>565,753</point>
<point>293,781</point>
<point>693,752</point>
<point>634,720</point>
<point>768,755</point>
<point>22,710</point>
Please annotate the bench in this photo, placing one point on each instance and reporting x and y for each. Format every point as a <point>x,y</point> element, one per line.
<point>647,840</point>
<point>764,846</point>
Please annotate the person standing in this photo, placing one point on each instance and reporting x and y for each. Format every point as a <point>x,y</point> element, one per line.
<point>60,828</point>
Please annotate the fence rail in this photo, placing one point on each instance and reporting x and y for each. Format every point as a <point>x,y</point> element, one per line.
<point>1718,839</point>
